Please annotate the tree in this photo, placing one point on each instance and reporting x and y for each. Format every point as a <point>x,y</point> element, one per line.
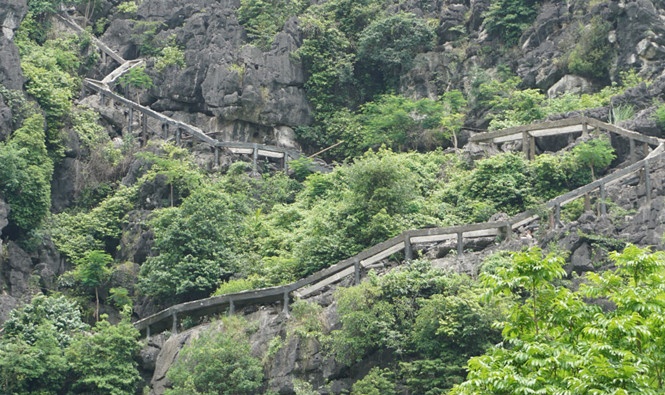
<point>219,361</point>
<point>136,78</point>
<point>596,154</point>
<point>558,341</point>
<point>105,362</point>
<point>57,311</point>
<point>32,349</point>
<point>376,382</point>
<point>390,44</point>
<point>196,244</point>
<point>93,271</point>
<point>453,116</point>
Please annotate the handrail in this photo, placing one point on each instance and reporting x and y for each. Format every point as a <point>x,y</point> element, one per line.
<point>517,131</point>
<point>401,242</point>
<point>103,47</point>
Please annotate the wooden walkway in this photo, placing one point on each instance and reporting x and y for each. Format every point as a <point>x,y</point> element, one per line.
<point>403,243</point>
<point>529,133</point>
<point>406,242</point>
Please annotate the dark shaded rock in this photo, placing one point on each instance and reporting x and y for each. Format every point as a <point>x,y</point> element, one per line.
<point>16,270</point>
<point>7,304</point>
<point>11,15</point>
<point>4,214</point>
<point>63,183</point>
<point>137,240</point>
<point>580,260</point>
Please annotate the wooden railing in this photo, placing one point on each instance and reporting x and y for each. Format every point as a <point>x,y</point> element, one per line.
<point>405,243</point>
<point>177,128</point>
<point>528,134</point>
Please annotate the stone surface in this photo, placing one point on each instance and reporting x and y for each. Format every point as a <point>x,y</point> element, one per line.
<point>16,270</point>
<point>569,84</point>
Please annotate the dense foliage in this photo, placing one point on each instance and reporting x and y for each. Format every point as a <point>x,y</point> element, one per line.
<point>558,340</point>
<point>430,321</point>
<point>47,349</point>
<point>217,362</point>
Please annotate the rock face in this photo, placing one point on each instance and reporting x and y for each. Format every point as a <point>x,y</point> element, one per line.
<point>245,93</point>
<point>11,15</point>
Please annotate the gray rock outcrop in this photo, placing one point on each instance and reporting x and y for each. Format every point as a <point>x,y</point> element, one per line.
<point>11,15</point>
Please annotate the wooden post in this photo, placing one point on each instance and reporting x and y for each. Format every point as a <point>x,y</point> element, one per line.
<point>286,302</point>
<point>532,147</point>
<point>356,267</point>
<point>585,129</point>
<point>255,158</point>
<point>603,206</point>
<point>216,156</point>
<point>408,249</point>
<point>508,232</point>
<point>557,215</point>
<point>174,328</point>
<point>647,181</point>
<point>645,149</point>
<point>178,136</point>
<point>147,332</point>
<point>102,98</point>
<point>587,202</point>
<point>525,144</point>
<point>460,243</point>
<point>232,307</point>
<point>165,131</point>
<point>144,129</point>
<point>130,120</point>
<point>632,150</point>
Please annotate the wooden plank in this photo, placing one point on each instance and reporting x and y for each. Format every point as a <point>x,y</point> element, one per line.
<point>429,239</point>
<point>246,151</point>
<point>505,139</point>
<point>122,69</point>
<point>271,153</point>
<point>383,254</point>
<point>481,233</point>
<point>523,221</point>
<point>526,128</point>
<point>624,132</point>
<point>327,281</point>
<point>554,132</point>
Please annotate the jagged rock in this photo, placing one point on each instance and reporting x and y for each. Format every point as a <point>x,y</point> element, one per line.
<point>167,355</point>
<point>136,242</point>
<point>63,186</point>
<point>4,214</point>
<point>7,304</point>
<point>580,260</point>
<point>148,354</point>
<point>569,84</point>
<point>16,270</point>
<point>11,15</point>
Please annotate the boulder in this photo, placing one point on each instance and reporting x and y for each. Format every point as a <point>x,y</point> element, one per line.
<point>569,84</point>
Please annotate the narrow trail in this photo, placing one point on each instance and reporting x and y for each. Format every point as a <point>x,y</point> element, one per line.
<point>652,152</point>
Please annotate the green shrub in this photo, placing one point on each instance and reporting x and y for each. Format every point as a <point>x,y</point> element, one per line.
<point>25,175</point>
<point>507,19</point>
<point>217,362</point>
<point>376,382</point>
<point>659,116</point>
<point>262,19</point>
<point>592,55</point>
